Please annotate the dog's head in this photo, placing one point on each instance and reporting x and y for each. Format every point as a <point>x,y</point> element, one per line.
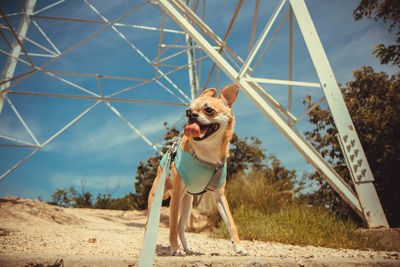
<point>209,117</point>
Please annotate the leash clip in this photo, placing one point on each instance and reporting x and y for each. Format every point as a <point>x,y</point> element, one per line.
<point>174,147</point>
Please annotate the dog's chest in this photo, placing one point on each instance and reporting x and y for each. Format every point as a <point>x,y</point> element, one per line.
<point>197,175</point>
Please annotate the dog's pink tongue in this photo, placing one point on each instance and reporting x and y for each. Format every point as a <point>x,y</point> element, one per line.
<point>193,130</point>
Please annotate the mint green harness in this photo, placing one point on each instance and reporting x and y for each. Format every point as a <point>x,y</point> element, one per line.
<point>199,176</point>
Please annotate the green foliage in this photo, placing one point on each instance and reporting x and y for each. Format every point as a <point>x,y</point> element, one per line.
<point>69,198</point>
<point>83,201</point>
<point>299,225</point>
<point>267,190</point>
<point>102,201</point>
<point>127,202</point>
<point>373,100</point>
<point>389,12</point>
<point>63,197</point>
<point>244,153</point>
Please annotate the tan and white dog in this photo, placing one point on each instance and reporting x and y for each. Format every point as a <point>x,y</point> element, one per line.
<point>206,136</point>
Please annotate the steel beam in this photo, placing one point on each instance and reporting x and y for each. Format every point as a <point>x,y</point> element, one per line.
<point>193,80</point>
<point>11,63</point>
<point>290,88</point>
<point>105,23</point>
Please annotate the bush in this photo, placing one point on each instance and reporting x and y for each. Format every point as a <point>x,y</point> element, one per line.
<point>260,191</point>
<point>69,198</point>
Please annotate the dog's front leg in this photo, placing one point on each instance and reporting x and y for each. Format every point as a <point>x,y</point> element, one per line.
<point>185,210</point>
<point>174,212</point>
<point>223,208</point>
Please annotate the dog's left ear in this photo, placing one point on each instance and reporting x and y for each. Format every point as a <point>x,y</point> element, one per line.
<point>229,94</point>
<point>209,92</point>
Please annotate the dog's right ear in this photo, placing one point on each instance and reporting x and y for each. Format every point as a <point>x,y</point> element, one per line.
<point>209,92</point>
<point>229,94</point>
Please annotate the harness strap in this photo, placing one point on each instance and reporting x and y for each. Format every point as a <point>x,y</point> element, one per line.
<point>214,182</point>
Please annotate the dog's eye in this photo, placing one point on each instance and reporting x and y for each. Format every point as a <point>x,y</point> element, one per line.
<point>209,111</point>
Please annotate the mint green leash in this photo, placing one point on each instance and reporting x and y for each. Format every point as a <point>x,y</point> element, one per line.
<point>150,238</point>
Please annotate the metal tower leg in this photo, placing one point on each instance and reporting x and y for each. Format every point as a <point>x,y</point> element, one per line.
<point>11,63</point>
<point>359,167</point>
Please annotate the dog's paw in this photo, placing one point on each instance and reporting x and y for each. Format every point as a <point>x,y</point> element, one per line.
<point>193,253</point>
<point>240,250</point>
<point>178,252</point>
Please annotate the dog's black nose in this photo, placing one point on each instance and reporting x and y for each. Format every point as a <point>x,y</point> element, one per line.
<point>194,115</point>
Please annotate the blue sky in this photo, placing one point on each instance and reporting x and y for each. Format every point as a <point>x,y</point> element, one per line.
<point>100,149</point>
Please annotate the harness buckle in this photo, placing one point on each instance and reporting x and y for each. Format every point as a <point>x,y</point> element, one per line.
<point>174,147</point>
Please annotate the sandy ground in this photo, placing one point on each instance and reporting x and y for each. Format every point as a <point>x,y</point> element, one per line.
<point>33,233</point>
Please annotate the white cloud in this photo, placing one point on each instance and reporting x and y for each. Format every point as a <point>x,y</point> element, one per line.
<point>11,126</point>
<point>110,134</point>
<point>357,52</point>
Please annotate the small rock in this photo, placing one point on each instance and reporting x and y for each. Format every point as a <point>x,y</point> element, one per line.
<point>92,240</point>
<point>300,262</point>
<point>394,256</point>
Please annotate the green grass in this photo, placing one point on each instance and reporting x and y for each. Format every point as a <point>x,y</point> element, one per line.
<point>298,225</point>
<point>262,212</point>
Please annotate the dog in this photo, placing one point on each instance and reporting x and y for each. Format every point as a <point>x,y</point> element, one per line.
<point>202,152</point>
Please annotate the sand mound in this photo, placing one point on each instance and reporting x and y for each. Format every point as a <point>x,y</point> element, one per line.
<point>33,210</point>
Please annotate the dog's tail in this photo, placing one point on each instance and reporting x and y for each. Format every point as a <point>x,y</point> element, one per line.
<point>166,195</point>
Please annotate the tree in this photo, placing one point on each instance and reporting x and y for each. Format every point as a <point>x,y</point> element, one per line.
<point>389,12</point>
<point>127,202</point>
<point>84,199</point>
<point>102,201</point>
<point>63,197</point>
<point>373,100</point>
<point>68,198</point>
<point>244,153</point>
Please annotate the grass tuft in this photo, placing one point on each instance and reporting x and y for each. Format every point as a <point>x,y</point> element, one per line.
<point>298,225</point>
<point>261,214</point>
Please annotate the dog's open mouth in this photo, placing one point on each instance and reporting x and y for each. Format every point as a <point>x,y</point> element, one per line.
<point>200,132</point>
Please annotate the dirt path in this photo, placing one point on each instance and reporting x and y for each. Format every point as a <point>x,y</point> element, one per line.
<point>34,232</point>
